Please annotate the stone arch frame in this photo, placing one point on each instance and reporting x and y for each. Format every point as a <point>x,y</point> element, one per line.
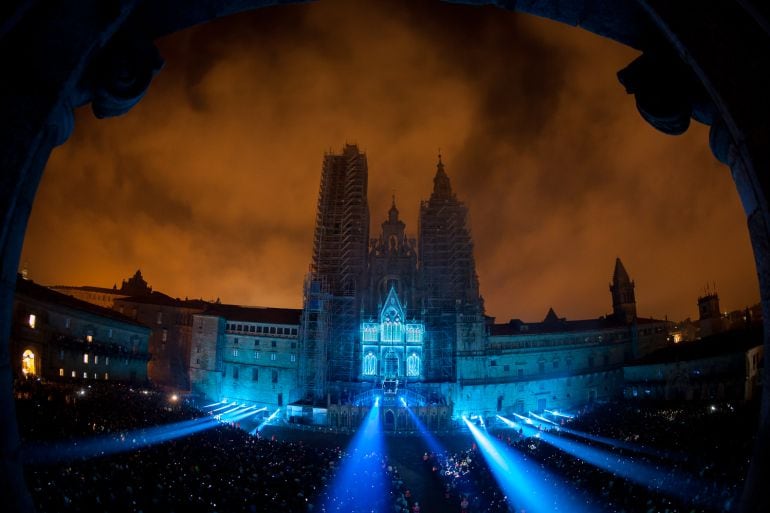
<point>700,60</point>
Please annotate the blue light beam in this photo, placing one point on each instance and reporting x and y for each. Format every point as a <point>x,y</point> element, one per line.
<point>359,485</point>
<point>526,485</point>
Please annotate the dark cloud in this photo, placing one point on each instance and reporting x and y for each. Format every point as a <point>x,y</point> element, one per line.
<point>210,183</point>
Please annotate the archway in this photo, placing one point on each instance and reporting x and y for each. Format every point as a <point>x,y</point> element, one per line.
<point>699,61</point>
<point>28,364</point>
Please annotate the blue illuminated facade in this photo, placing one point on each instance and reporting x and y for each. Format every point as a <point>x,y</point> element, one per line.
<point>392,347</point>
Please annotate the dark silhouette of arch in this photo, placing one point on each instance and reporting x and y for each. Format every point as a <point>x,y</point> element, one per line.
<point>701,60</point>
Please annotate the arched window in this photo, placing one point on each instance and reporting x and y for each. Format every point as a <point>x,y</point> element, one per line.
<point>370,364</point>
<point>391,365</point>
<point>28,363</point>
<point>413,365</point>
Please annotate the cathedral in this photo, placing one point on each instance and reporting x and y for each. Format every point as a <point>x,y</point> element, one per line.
<point>393,314</point>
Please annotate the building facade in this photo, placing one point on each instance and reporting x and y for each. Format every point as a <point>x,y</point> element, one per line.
<point>170,321</point>
<point>58,337</point>
<point>408,314</point>
<point>249,355</point>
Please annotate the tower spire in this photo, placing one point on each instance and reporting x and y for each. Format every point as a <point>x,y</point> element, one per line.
<point>441,186</point>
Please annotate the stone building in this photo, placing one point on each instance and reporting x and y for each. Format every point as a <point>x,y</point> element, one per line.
<point>170,321</point>
<point>725,366</point>
<point>407,318</point>
<point>246,354</point>
<point>58,337</point>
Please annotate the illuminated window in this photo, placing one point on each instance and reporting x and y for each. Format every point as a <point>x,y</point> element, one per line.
<point>370,332</point>
<point>370,364</point>
<point>85,375</point>
<point>293,357</point>
<point>106,360</point>
<point>85,357</point>
<point>109,333</point>
<point>164,335</point>
<point>96,359</point>
<point>89,336</point>
<point>106,376</point>
<point>159,318</point>
<point>32,320</point>
<point>272,356</point>
<point>61,373</point>
<point>257,355</point>
<point>73,374</point>
<point>235,352</point>
<point>413,365</point>
<point>67,322</point>
<point>96,376</point>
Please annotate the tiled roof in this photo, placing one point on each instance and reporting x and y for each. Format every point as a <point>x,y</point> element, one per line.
<point>731,342</point>
<point>40,293</point>
<point>288,316</point>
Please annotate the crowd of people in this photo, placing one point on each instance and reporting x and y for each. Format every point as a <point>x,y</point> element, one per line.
<point>226,469</point>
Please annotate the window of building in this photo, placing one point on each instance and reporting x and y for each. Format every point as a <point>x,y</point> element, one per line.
<point>240,327</point>
<point>257,355</point>
<point>67,322</point>
<point>272,343</point>
<point>61,354</point>
<point>493,363</point>
<point>85,357</point>
<point>251,329</point>
<point>272,330</point>
<point>224,372</point>
<point>198,348</point>
<point>293,357</point>
<point>274,376</point>
<point>235,372</point>
<point>235,352</point>
<point>109,333</point>
<point>106,360</point>
<point>294,331</point>
<point>506,368</point>
<point>259,329</point>
<point>61,373</point>
<point>256,342</point>
<point>272,356</point>
<point>106,375</point>
<point>85,375</point>
<point>197,361</point>
<point>164,335</point>
<point>96,359</point>
<point>279,331</point>
<point>413,365</point>
<point>254,374</point>
<point>370,364</point>
<point>90,336</point>
<point>32,320</point>
<point>520,372</point>
<point>96,376</point>
<point>159,318</point>
<point>73,374</point>
<point>235,341</point>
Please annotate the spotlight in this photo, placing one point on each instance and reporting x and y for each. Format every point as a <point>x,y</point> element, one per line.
<point>403,401</point>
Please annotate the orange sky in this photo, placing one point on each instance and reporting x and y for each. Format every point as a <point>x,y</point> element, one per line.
<point>209,185</point>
